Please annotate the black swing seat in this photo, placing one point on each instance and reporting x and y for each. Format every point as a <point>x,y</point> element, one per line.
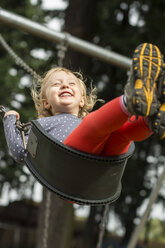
<point>71,174</point>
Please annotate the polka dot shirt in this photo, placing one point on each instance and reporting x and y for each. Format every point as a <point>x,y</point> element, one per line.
<point>59,126</point>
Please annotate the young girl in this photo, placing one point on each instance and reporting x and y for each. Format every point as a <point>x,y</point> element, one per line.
<point>62,105</point>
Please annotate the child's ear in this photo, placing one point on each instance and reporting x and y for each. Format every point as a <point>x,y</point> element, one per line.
<point>82,102</point>
<point>46,105</point>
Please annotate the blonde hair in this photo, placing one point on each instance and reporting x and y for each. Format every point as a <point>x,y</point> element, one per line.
<point>38,92</point>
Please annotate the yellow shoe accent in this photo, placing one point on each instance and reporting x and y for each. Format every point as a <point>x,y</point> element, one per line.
<point>162,108</point>
<point>159,62</point>
<point>141,59</point>
<point>149,97</point>
<point>138,84</point>
<point>163,136</point>
<point>147,91</point>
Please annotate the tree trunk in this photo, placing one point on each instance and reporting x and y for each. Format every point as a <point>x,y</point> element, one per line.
<point>80,21</point>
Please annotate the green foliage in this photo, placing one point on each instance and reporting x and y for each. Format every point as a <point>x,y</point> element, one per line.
<point>155,232</point>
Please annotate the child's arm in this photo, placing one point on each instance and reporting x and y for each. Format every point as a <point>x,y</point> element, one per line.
<point>13,136</point>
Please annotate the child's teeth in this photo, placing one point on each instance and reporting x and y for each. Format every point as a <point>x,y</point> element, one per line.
<point>66,94</point>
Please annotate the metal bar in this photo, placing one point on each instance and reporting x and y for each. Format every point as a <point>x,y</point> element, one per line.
<point>136,234</point>
<point>75,43</point>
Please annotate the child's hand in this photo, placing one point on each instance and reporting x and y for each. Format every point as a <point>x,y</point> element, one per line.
<point>12,112</point>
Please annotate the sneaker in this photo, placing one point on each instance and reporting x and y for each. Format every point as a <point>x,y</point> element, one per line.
<point>157,122</point>
<point>146,73</point>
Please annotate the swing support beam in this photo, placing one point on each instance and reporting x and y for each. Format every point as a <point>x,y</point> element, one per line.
<point>73,42</point>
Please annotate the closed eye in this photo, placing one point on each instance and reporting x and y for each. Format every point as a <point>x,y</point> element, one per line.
<point>72,83</point>
<point>58,83</point>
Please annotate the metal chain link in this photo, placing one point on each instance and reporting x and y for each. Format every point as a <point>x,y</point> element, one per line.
<point>2,109</point>
<point>102,226</point>
<point>62,49</point>
<point>18,60</point>
<point>46,220</point>
<point>22,127</point>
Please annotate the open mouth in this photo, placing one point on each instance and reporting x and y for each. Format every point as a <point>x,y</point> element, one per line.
<point>65,93</point>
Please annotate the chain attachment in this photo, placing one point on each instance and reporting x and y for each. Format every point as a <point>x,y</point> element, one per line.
<point>2,109</point>
<point>22,127</point>
<point>62,49</point>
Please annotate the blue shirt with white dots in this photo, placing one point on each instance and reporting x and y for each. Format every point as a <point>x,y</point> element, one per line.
<point>59,126</point>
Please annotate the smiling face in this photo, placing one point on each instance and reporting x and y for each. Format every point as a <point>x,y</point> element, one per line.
<point>62,93</point>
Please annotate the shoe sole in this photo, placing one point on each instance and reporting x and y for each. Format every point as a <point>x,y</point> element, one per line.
<point>159,122</point>
<point>147,67</point>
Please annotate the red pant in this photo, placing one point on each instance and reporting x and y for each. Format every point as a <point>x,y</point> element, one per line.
<point>107,131</point>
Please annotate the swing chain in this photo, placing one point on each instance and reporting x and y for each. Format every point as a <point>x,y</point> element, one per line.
<point>102,226</point>
<point>2,109</point>
<point>62,49</point>
<point>18,60</point>
<point>22,126</point>
<point>46,220</point>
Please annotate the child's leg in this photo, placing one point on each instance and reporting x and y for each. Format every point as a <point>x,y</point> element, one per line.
<point>94,130</point>
<point>119,141</point>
